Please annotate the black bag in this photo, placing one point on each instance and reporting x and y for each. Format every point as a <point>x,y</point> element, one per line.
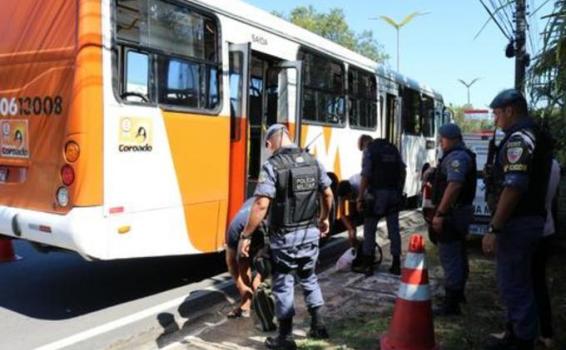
<point>377,257</point>
<point>264,307</point>
<point>262,254</point>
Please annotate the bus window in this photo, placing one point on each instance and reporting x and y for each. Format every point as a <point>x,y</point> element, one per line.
<point>236,82</point>
<point>136,84</point>
<point>181,41</point>
<point>323,89</point>
<point>411,114</point>
<point>428,116</point>
<point>362,94</point>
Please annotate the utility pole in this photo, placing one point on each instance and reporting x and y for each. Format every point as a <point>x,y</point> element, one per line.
<point>520,42</point>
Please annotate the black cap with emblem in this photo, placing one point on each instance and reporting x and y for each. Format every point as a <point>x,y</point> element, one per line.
<point>506,98</point>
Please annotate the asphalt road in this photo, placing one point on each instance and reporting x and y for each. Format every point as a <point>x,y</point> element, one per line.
<point>47,297</point>
<point>60,301</point>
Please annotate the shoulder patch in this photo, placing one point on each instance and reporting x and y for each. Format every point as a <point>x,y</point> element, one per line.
<point>514,154</point>
<point>262,177</point>
<point>455,164</point>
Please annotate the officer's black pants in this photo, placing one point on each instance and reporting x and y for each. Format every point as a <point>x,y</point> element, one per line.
<point>542,299</point>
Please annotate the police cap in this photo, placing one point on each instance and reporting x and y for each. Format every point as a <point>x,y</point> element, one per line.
<point>450,131</point>
<point>275,128</point>
<point>506,98</point>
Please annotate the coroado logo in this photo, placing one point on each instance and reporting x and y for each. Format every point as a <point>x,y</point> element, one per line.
<point>136,135</point>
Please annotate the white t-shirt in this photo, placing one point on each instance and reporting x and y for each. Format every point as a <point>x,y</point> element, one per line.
<point>553,182</point>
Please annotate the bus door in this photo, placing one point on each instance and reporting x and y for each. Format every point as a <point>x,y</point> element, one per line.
<point>273,96</point>
<point>239,76</point>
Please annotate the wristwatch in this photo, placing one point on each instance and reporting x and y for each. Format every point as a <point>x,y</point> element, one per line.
<point>492,229</point>
<point>243,236</point>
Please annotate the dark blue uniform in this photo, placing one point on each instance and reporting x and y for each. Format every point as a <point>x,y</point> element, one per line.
<point>385,186</point>
<point>515,244</point>
<point>292,251</point>
<point>458,166</point>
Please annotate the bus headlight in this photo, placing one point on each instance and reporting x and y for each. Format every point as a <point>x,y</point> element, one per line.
<point>63,196</point>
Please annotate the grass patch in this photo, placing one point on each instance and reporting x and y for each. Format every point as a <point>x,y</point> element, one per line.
<point>359,333</point>
<point>482,315</point>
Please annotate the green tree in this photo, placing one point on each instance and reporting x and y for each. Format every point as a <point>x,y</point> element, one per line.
<point>333,26</point>
<point>469,125</point>
<point>548,78</point>
<point>548,73</point>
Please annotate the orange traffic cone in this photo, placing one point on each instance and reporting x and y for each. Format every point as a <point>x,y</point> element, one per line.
<point>6,251</point>
<point>412,327</point>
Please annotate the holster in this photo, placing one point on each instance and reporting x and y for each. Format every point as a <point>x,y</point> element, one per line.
<point>451,232</point>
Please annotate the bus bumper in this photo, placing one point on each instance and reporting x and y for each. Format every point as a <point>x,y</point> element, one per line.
<point>80,230</point>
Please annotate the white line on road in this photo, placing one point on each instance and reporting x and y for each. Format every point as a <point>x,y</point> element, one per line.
<point>121,322</point>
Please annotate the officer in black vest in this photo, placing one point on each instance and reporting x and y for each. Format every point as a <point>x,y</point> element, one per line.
<point>290,185</point>
<point>521,172</point>
<point>383,180</point>
<point>453,192</point>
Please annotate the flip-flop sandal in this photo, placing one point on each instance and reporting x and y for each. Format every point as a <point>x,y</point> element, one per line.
<point>238,312</point>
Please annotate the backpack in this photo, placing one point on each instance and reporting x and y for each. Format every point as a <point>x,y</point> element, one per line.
<point>264,306</point>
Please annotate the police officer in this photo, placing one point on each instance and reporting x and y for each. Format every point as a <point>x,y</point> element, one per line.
<point>383,179</point>
<point>453,192</point>
<point>521,172</point>
<point>290,184</point>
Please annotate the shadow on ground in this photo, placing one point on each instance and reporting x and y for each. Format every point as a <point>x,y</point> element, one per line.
<point>58,286</point>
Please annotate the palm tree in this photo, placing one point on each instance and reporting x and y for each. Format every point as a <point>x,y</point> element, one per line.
<point>548,74</point>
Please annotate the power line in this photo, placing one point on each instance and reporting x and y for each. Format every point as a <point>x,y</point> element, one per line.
<point>533,31</point>
<point>495,20</point>
<point>508,16</point>
<point>501,9</point>
<point>539,8</point>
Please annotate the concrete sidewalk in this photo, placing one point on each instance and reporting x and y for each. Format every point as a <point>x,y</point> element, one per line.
<point>346,294</point>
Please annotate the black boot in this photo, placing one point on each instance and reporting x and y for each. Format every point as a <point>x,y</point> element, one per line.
<point>509,342</point>
<point>366,266</point>
<point>284,340</point>
<point>395,265</point>
<point>450,305</point>
<point>461,296</point>
<point>317,331</point>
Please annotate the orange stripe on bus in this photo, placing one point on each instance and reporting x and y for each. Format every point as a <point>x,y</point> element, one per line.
<point>200,147</point>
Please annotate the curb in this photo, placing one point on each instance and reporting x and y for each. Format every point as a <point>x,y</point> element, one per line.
<point>201,306</point>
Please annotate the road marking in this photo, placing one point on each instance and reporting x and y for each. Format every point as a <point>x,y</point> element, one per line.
<point>121,322</point>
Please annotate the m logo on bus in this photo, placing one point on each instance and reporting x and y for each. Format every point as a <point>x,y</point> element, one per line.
<point>136,135</point>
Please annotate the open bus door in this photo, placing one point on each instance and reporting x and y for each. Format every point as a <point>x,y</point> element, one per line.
<point>263,91</point>
<point>239,76</point>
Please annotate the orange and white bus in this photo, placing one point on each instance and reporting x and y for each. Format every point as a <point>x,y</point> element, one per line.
<point>133,128</point>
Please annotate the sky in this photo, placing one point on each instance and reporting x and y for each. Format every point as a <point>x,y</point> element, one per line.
<point>436,49</point>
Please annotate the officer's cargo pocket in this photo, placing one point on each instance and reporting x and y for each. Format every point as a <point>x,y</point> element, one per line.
<point>304,182</point>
